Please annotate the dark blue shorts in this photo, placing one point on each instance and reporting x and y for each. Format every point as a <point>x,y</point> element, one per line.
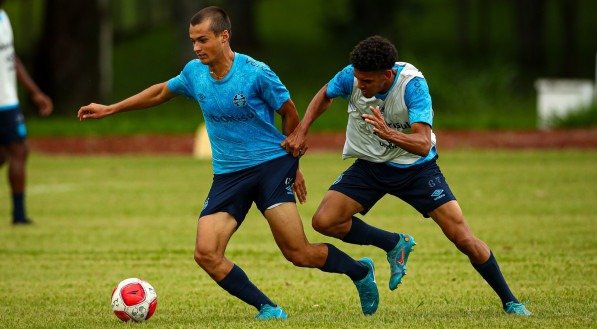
<point>12,126</point>
<point>422,186</point>
<point>266,184</point>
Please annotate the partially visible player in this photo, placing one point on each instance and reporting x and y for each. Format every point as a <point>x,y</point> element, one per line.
<point>389,132</point>
<point>238,97</point>
<point>13,132</point>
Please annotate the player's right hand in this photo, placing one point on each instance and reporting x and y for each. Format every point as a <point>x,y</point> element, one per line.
<point>295,144</point>
<point>93,111</point>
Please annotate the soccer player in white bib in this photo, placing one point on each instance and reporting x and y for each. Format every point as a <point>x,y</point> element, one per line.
<point>238,97</point>
<point>389,132</point>
<point>13,132</point>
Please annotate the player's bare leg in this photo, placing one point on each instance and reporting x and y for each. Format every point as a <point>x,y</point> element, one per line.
<point>213,233</point>
<point>334,214</point>
<point>450,219</point>
<point>289,234</point>
<point>335,217</point>
<point>288,231</point>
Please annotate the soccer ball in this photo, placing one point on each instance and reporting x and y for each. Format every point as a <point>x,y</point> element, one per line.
<point>134,299</point>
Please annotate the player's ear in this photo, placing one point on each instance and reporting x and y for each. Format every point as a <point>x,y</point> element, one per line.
<point>388,74</point>
<point>225,36</point>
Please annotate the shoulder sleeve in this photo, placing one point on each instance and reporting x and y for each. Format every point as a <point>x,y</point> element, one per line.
<point>272,90</point>
<point>180,84</point>
<point>342,83</point>
<point>418,101</point>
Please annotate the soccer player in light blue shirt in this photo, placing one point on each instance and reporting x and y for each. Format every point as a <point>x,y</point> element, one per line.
<point>239,97</point>
<point>389,131</point>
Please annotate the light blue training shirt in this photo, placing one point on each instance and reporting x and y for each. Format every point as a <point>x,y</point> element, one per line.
<point>238,111</point>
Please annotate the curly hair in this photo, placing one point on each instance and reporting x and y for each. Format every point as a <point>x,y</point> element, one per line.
<point>375,53</point>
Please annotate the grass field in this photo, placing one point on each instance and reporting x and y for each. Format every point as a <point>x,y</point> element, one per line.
<point>102,219</point>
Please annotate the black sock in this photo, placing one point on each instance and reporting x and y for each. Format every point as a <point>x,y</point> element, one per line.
<point>364,234</point>
<point>18,207</point>
<point>340,262</point>
<point>238,284</point>
<point>490,271</point>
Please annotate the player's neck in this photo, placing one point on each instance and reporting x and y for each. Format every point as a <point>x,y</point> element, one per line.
<point>221,68</point>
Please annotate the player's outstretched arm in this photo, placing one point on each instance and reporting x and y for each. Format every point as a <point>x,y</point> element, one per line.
<point>152,96</point>
<point>295,142</point>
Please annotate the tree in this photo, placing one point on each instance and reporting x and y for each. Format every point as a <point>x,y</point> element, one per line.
<point>530,18</point>
<point>244,32</point>
<point>569,14</point>
<point>73,58</point>
<point>365,18</point>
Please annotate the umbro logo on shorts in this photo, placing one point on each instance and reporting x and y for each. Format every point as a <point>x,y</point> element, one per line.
<point>438,194</point>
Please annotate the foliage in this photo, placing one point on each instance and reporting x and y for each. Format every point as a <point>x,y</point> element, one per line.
<point>102,219</point>
<point>583,118</point>
<point>484,100</point>
<point>478,88</point>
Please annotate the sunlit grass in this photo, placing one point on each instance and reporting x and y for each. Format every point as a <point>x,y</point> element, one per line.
<point>102,219</point>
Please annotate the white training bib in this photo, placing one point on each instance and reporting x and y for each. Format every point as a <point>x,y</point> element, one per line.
<point>361,142</point>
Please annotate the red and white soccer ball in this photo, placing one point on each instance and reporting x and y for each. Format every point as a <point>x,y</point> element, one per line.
<point>134,299</point>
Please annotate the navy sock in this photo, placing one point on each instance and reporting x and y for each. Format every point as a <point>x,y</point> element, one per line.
<point>490,271</point>
<point>340,262</point>
<point>364,234</point>
<point>238,284</point>
<point>18,207</point>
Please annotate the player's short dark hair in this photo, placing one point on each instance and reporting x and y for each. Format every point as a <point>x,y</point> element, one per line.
<point>374,54</point>
<point>218,17</point>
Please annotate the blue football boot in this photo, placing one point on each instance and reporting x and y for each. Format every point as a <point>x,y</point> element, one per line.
<point>367,288</point>
<point>397,258</point>
<point>268,312</point>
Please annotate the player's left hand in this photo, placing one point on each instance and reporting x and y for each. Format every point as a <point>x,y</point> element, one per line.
<point>376,120</point>
<point>299,187</point>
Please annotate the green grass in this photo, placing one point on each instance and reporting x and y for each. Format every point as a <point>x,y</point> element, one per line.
<point>100,219</point>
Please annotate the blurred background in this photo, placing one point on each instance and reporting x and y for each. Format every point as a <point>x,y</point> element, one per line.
<point>481,57</point>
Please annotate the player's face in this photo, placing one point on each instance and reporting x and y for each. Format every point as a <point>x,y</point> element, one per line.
<point>208,46</point>
<point>373,82</point>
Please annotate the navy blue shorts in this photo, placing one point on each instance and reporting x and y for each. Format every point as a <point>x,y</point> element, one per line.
<point>12,126</point>
<point>422,186</point>
<point>266,184</point>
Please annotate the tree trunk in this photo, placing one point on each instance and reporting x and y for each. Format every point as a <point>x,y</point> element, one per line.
<point>530,32</point>
<point>463,31</point>
<point>569,13</point>
<point>182,11</point>
<point>68,56</point>
<point>244,32</point>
